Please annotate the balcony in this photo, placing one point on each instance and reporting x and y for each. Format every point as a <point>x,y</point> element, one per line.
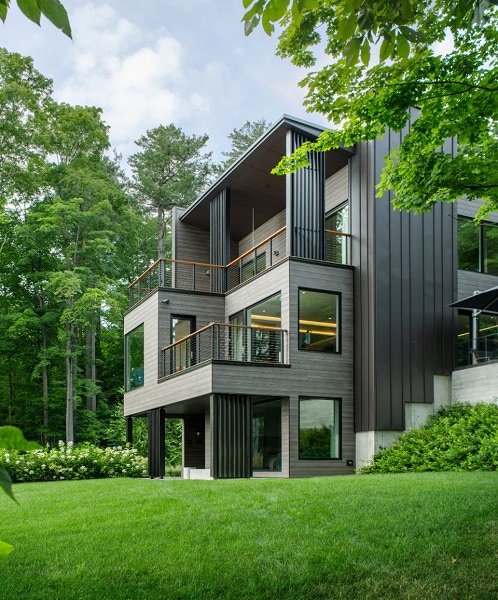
<point>225,342</point>
<point>199,276</point>
<point>482,349</point>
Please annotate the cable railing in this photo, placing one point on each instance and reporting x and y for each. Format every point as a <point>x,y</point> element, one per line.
<point>181,274</point>
<point>256,260</point>
<point>223,341</point>
<point>206,277</point>
<point>475,351</point>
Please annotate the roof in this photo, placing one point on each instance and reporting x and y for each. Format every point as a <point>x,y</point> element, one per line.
<point>253,189</point>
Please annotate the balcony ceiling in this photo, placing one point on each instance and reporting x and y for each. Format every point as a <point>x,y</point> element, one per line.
<point>254,192</point>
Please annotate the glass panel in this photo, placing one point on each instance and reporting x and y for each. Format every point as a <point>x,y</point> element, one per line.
<point>464,344</point>
<point>490,248</point>
<point>318,321</point>
<point>267,436</point>
<point>487,338</point>
<point>183,355</point>
<point>468,245</point>
<point>337,246</point>
<point>238,337</point>
<point>249,269</point>
<point>264,342</point>
<point>319,428</point>
<point>134,352</point>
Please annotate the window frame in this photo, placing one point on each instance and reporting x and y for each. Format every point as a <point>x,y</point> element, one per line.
<point>482,249</point>
<point>338,324</point>
<point>127,373</point>
<point>339,404</point>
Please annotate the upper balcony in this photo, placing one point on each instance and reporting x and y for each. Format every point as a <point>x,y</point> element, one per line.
<point>199,276</point>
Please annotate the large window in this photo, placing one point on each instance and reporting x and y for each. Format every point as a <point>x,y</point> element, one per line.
<point>477,246</point>
<point>134,358</point>
<point>319,321</point>
<point>336,247</point>
<point>267,436</point>
<point>319,428</point>
<point>477,338</point>
<point>264,342</point>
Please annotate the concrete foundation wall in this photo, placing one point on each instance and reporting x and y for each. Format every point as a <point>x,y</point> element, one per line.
<point>475,384</point>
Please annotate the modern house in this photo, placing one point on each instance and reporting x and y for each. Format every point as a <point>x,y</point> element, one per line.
<point>302,324</point>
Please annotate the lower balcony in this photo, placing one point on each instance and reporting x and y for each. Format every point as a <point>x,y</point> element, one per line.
<point>224,342</point>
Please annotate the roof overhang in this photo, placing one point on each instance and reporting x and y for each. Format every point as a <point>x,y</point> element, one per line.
<point>255,192</point>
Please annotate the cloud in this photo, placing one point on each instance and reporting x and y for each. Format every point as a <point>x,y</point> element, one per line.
<point>139,80</point>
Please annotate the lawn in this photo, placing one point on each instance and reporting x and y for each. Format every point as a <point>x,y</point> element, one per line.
<point>428,535</point>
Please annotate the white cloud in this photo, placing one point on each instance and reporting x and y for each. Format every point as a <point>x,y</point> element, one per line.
<point>139,83</point>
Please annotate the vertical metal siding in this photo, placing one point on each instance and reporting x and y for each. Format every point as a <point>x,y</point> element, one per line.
<point>219,239</point>
<point>231,436</point>
<point>306,204</point>
<point>156,450</point>
<point>406,278</point>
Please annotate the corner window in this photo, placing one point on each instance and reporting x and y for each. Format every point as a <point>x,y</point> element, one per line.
<point>319,428</point>
<point>477,246</point>
<point>134,358</point>
<point>318,321</point>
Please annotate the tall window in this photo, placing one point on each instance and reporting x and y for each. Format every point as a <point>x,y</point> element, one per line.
<point>319,428</point>
<point>134,358</point>
<point>267,436</point>
<point>336,247</point>
<point>319,321</point>
<point>477,246</point>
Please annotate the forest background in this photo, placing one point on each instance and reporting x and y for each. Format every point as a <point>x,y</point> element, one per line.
<point>75,231</point>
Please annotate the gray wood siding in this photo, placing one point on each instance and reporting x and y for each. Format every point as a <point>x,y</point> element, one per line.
<point>189,243</point>
<point>471,281</point>
<point>405,280</point>
<point>467,208</point>
<point>337,189</point>
<point>263,232</point>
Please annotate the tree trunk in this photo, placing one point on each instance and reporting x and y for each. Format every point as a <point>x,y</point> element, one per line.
<point>90,368</point>
<point>69,384</point>
<point>45,390</point>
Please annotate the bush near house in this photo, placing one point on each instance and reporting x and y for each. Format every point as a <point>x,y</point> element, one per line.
<point>461,437</point>
<point>85,461</point>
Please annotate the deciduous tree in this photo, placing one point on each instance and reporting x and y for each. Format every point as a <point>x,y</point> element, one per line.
<point>456,91</point>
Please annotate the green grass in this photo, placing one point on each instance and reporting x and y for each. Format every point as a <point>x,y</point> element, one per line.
<point>429,535</point>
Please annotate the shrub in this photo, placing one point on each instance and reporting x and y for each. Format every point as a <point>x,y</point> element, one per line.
<point>461,437</point>
<point>84,461</point>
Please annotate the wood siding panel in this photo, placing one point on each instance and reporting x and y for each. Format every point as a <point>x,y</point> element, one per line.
<point>263,232</point>
<point>470,282</point>
<point>337,189</point>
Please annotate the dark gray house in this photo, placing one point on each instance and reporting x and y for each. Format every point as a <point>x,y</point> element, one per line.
<point>301,323</point>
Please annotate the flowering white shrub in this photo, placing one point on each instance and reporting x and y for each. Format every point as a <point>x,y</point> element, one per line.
<point>67,461</point>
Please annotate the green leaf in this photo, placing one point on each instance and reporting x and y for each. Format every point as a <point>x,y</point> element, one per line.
<point>12,438</point>
<point>403,46</point>
<point>365,53</point>
<point>246,3</point>
<point>351,51</point>
<point>406,9</point>
<point>347,27</point>
<point>275,10</point>
<point>5,549</point>
<point>3,12</point>
<point>56,14</point>
<point>386,49</point>
<point>411,35</point>
<point>6,483</point>
<point>250,25</point>
<point>267,25</point>
<point>31,9</point>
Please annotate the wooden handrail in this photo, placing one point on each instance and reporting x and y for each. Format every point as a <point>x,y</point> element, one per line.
<point>179,262</point>
<point>332,232</point>
<point>211,325</point>
<point>273,235</point>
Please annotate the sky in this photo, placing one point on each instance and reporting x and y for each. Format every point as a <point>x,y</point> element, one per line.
<point>156,62</point>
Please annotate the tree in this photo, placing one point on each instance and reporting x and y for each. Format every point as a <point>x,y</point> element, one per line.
<point>242,138</point>
<point>456,92</point>
<point>170,170</point>
<point>53,10</point>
